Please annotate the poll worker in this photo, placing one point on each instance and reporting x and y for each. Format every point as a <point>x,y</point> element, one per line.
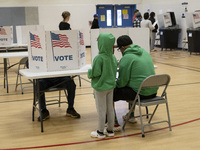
<point>62,82</point>
<point>135,65</point>
<point>95,22</point>
<point>103,75</point>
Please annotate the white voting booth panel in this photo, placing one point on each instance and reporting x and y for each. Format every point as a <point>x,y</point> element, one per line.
<point>139,36</point>
<point>23,31</point>
<point>196,19</point>
<point>65,50</point>
<point>56,50</point>
<point>167,20</point>
<point>6,35</point>
<point>94,33</point>
<point>192,19</point>
<point>37,51</point>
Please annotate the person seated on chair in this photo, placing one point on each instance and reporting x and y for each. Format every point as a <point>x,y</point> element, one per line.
<point>63,82</point>
<point>135,65</point>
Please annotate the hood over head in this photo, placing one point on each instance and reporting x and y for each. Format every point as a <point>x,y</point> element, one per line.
<point>105,43</point>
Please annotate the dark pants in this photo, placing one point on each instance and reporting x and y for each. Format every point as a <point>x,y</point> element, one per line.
<point>127,93</point>
<point>68,84</point>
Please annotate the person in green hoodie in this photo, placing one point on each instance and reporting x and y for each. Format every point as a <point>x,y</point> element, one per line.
<point>103,75</point>
<point>135,65</point>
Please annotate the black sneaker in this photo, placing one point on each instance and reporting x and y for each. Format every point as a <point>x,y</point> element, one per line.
<point>45,115</point>
<point>72,113</point>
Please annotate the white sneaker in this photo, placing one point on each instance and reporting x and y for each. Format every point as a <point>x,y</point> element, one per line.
<point>97,135</point>
<point>117,128</point>
<point>131,119</point>
<point>108,133</point>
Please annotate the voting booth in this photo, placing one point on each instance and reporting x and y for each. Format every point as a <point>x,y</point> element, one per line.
<point>56,50</point>
<point>139,36</point>
<point>193,31</point>
<point>23,31</point>
<point>167,20</point>
<point>169,31</point>
<point>6,35</point>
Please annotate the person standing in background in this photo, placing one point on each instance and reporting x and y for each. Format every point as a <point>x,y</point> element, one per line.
<point>146,23</point>
<point>64,25</point>
<point>153,34</point>
<point>95,22</point>
<point>137,20</point>
<point>135,12</point>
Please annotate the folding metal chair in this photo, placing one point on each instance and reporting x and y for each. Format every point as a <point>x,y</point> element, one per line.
<point>48,102</point>
<point>21,65</point>
<point>149,82</point>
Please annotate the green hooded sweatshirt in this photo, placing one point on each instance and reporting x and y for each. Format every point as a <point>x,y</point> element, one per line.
<point>104,67</point>
<point>136,65</point>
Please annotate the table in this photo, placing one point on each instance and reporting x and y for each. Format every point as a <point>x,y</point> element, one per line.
<point>13,48</point>
<point>35,76</point>
<point>7,55</point>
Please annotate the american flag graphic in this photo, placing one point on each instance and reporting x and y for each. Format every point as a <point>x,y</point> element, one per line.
<point>2,31</point>
<point>60,40</point>
<point>196,16</point>
<point>81,38</point>
<point>35,41</point>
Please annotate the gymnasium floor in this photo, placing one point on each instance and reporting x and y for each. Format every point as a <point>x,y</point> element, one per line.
<point>17,131</point>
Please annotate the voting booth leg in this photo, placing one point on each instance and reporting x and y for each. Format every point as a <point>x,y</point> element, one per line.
<point>38,98</point>
<point>34,99</point>
<point>5,74</point>
<point>79,77</point>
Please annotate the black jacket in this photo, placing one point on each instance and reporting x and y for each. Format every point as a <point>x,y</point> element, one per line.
<point>64,26</point>
<point>156,26</point>
<point>95,24</point>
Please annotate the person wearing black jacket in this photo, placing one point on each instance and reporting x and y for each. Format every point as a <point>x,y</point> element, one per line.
<point>64,25</point>
<point>153,34</point>
<point>95,22</point>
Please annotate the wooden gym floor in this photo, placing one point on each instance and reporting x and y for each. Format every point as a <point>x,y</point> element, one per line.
<point>17,131</point>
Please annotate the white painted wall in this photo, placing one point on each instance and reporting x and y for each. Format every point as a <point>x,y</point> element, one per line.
<point>82,10</point>
<point>63,2</point>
